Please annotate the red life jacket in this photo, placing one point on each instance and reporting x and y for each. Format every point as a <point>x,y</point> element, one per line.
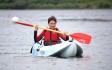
<point>51,36</point>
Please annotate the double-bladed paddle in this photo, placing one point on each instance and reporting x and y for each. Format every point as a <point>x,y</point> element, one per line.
<point>80,37</point>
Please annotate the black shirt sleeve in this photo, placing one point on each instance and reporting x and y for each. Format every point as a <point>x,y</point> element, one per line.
<point>67,38</point>
<point>35,35</point>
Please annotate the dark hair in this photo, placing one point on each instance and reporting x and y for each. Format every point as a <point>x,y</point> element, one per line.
<point>52,18</point>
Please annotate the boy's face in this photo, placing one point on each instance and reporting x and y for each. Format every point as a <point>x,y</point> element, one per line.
<point>52,24</point>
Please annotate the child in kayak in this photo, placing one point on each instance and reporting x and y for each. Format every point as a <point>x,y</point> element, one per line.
<point>50,38</point>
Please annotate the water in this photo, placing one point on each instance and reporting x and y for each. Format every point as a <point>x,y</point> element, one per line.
<point>16,40</point>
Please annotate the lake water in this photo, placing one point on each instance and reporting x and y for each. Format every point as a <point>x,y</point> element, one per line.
<point>16,40</point>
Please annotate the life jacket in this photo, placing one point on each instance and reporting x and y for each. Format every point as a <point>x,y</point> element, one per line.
<point>51,38</point>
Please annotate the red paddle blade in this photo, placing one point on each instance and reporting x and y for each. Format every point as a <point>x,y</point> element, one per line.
<point>82,38</point>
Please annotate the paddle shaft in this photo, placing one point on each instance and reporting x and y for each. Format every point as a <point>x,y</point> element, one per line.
<point>32,25</point>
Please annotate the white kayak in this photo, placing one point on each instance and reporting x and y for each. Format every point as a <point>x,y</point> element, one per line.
<point>64,49</point>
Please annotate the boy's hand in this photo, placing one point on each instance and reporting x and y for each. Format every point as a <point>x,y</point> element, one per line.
<point>65,33</point>
<point>35,27</point>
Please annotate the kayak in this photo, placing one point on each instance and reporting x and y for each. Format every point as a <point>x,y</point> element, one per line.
<point>64,49</point>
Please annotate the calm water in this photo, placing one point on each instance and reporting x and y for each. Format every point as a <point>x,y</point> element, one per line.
<point>16,40</point>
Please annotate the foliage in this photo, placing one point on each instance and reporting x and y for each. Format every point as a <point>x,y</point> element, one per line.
<point>54,4</point>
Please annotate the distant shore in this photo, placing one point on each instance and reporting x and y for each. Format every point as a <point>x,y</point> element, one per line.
<point>55,4</point>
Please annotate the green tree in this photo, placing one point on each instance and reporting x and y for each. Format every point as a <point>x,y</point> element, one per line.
<point>20,4</point>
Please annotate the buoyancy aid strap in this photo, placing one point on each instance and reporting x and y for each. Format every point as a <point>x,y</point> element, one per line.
<point>51,41</point>
<point>51,37</point>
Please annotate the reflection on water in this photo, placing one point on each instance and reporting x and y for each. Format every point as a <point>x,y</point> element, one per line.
<point>16,40</point>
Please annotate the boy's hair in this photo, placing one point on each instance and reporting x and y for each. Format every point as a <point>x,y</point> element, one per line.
<point>52,18</point>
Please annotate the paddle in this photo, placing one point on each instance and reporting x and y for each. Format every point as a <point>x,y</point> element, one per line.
<point>80,37</point>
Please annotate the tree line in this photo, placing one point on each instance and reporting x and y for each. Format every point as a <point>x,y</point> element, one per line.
<point>55,4</point>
